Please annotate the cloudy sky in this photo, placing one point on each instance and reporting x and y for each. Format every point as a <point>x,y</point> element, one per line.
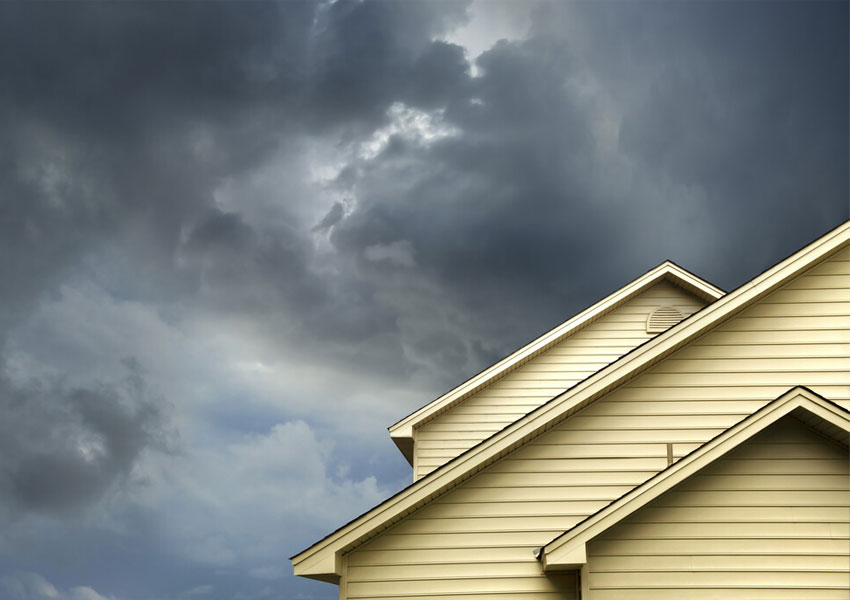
<point>237,241</point>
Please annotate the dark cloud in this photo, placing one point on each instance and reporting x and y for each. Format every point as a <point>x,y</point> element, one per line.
<point>367,55</point>
<point>333,216</point>
<point>525,213</point>
<point>64,448</point>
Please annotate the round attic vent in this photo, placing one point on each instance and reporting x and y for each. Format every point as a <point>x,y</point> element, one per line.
<point>662,319</point>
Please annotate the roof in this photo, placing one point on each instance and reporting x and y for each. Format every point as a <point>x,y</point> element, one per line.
<point>322,559</point>
<point>402,431</point>
<point>568,551</point>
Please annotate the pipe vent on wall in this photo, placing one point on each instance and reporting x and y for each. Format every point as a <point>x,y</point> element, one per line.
<point>663,319</point>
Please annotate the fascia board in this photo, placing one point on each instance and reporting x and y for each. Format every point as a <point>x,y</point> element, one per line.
<point>563,552</point>
<point>403,429</point>
<point>551,413</point>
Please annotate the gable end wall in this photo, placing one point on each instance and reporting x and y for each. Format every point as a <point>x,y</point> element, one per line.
<point>769,520</point>
<point>544,377</point>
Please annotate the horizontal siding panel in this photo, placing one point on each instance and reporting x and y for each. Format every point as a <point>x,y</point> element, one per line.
<point>760,498</point>
<point>435,453</point>
<point>454,418</point>
<point>590,422</point>
<point>736,562</point>
<point>779,336</point>
<point>448,445</point>
<point>821,282</point>
<point>789,467</point>
<point>764,393</point>
<point>787,379</point>
<point>726,530</point>
<point>742,579</point>
<point>552,370</point>
<point>577,355</point>
<point>438,556</point>
<point>572,465</point>
<point>777,482</point>
<point>403,541</point>
<point>580,508</point>
<point>493,410</point>
<point>438,587</point>
<point>718,592</point>
<point>745,514</point>
<point>504,399</point>
<point>807,295</point>
<point>800,309</point>
<point>755,365</point>
<point>555,386</point>
<point>539,451</point>
<point>795,323</point>
<point>527,568</point>
<point>417,525</point>
<point>492,480</point>
<point>777,546</point>
<point>438,435</point>
<point>559,595</point>
<point>466,493</point>
<point>679,408</point>
<point>673,436</point>
<point>793,350</point>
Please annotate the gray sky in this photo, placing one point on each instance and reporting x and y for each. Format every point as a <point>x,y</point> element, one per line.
<point>239,240</point>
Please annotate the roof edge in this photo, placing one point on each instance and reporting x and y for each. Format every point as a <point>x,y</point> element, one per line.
<point>568,550</point>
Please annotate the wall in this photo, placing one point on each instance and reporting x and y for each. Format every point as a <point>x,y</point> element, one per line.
<point>769,520</point>
<point>544,377</point>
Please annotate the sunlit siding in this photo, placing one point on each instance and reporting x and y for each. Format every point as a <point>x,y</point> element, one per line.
<point>476,541</point>
<point>544,377</point>
<point>769,520</point>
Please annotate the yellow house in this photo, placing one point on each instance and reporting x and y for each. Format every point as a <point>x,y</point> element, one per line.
<point>671,441</point>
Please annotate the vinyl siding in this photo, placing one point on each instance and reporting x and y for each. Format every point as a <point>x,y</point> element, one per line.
<point>544,377</point>
<point>476,541</point>
<point>768,520</point>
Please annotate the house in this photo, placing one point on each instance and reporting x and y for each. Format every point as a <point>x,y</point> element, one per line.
<point>670,441</point>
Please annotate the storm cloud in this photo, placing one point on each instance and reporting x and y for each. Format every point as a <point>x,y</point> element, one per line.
<point>239,240</point>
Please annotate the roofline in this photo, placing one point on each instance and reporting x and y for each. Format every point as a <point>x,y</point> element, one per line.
<point>311,561</point>
<point>402,431</point>
<point>568,550</point>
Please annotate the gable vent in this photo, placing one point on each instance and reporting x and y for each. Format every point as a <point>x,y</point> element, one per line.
<point>662,319</point>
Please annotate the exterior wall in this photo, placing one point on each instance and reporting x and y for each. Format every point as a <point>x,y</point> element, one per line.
<point>544,377</point>
<point>475,542</point>
<point>769,520</point>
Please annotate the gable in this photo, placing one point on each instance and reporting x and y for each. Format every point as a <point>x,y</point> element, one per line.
<point>545,376</point>
<point>324,560</point>
<point>402,432</point>
<point>771,518</point>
